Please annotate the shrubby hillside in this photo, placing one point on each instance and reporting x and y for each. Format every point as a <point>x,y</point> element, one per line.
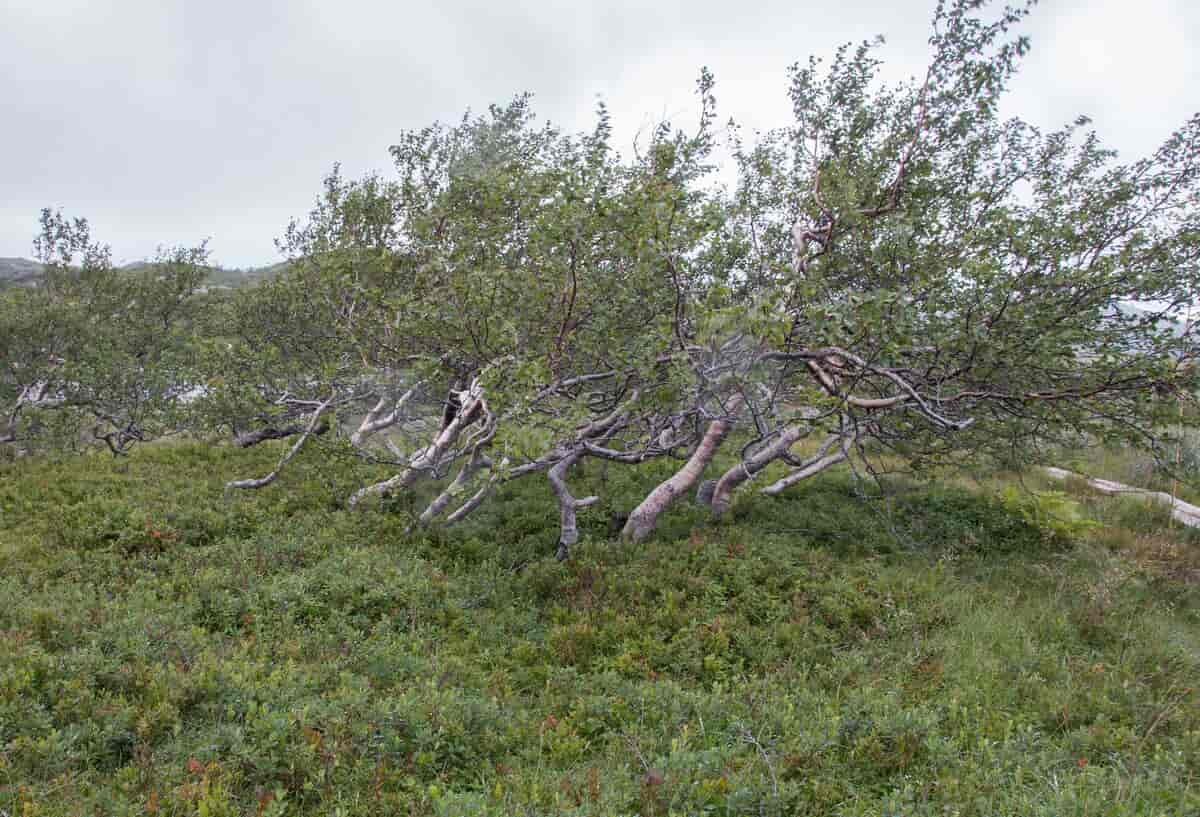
<point>961,647</point>
<point>18,271</point>
<point>542,478</point>
<point>24,272</point>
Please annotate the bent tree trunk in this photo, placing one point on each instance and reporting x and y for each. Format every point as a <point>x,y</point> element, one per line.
<point>645,516</point>
<point>476,462</point>
<point>748,468</point>
<point>426,460</point>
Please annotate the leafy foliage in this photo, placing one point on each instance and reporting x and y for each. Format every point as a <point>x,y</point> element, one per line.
<point>901,272</point>
<point>92,352</point>
<point>925,651</point>
<point>898,282</point>
<point>900,275</point>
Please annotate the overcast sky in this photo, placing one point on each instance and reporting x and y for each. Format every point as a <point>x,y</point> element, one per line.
<point>171,121</point>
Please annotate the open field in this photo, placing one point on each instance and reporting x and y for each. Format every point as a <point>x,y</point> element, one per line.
<point>961,647</point>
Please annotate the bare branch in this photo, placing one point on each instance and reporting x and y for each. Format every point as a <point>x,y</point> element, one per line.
<point>286,458</point>
<point>471,405</point>
<point>748,468</point>
<point>252,438</point>
<point>813,465</point>
<point>376,420</point>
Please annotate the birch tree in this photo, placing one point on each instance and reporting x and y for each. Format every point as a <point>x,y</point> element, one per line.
<point>92,353</point>
<point>900,273</point>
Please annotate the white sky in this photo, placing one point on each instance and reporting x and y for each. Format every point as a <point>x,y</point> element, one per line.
<point>169,121</point>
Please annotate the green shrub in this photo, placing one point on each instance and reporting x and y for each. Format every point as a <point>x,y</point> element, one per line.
<point>1054,513</point>
<point>928,649</point>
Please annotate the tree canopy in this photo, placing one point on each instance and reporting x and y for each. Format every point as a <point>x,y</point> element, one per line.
<point>93,352</point>
<point>901,274</point>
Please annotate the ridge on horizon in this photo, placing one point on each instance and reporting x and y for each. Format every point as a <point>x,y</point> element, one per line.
<point>22,271</point>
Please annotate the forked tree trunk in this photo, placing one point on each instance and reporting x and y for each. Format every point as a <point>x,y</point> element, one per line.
<point>471,467</point>
<point>475,463</point>
<point>645,516</point>
<point>748,468</point>
<point>567,505</point>
<point>377,420</point>
<point>430,457</point>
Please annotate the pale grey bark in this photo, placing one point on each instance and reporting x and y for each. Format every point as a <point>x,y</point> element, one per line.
<point>1181,511</point>
<point>476,462</point>
<point>568,505</point>
<point>475,501</point>
<point>287,457</point>
<point>645,516</point>
<point>600,429</point>
<point>380,417</point>
<point>748,468</point>
<point>469,469</point>
<point>427,459</point>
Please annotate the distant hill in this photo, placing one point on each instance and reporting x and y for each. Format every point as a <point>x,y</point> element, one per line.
<point>18,271</point>
<point>24,272</point>
<point>235,277</point>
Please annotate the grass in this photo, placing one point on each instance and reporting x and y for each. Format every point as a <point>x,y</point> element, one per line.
<point>941,649</point>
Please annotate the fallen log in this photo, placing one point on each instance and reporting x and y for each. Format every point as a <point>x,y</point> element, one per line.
<point>1182,511</point>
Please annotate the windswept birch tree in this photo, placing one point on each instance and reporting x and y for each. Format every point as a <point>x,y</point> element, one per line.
<point>900,271</point>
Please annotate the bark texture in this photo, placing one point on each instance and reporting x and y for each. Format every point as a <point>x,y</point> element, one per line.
<point>644,517</point>
<point>722,493</point>
<point>428,458</point>
<point>568,505</point>
<point>476,462</point>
